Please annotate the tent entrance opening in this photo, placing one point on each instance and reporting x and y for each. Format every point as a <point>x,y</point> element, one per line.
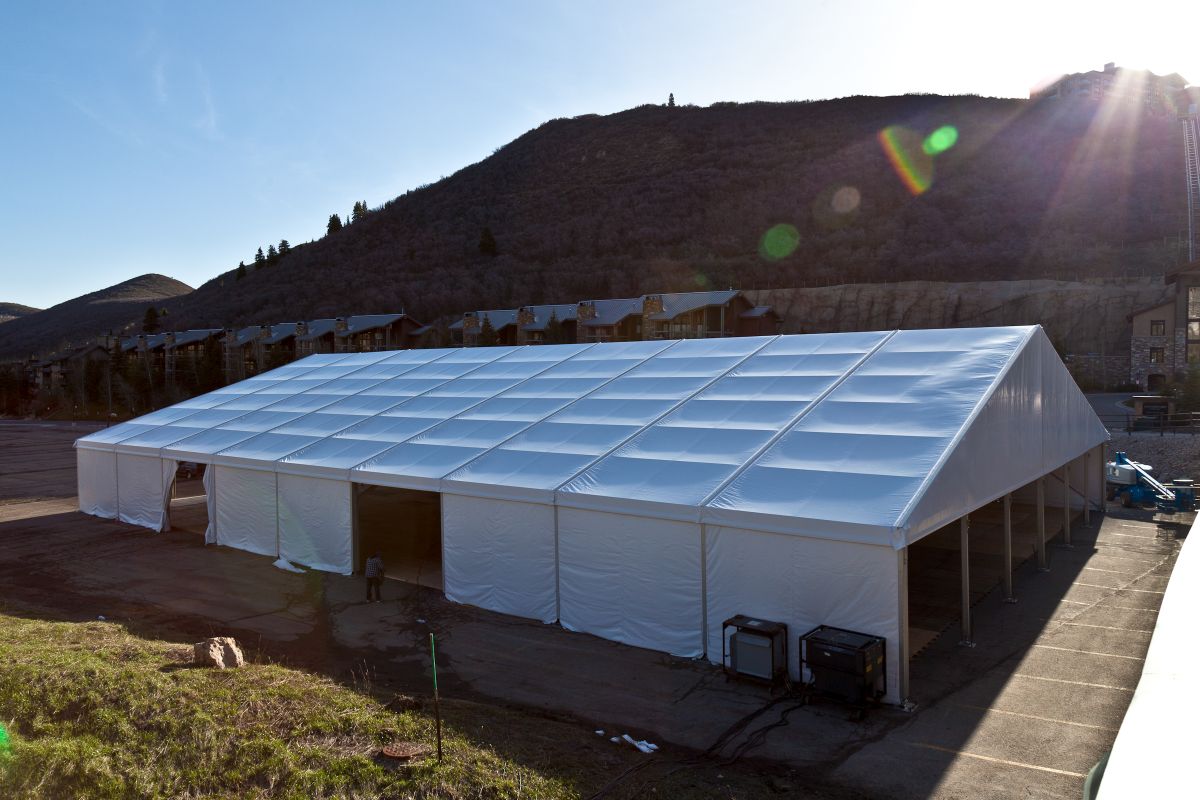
<point>189,502</point>
<point>935,567</point>
<point>405,527</point>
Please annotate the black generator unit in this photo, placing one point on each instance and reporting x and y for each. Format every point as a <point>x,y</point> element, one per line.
<point>844,665</point>
<point>755,650</point>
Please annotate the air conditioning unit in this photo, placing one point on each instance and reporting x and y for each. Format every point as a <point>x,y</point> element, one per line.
<point>754,649</point>
<point>845,665</point>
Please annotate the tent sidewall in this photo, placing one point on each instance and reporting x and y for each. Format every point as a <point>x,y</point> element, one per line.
<point>803,582</point>
<point>500,555</point>
<point>632,579</point>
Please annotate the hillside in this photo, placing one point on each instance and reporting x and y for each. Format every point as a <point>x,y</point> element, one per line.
<point>662,198</point>
<point>79,320</point>
<point>11,311</point>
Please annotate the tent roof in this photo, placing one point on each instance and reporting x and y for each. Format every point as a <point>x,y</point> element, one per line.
<point>879,437</point>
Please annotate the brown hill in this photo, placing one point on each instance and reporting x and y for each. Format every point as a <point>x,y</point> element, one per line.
<point>657,199</point>
<point>11,311</point>
<point>83,318</point>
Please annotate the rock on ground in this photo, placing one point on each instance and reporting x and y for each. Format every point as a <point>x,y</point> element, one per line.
<point>220,651</point>
<point>1172,455</point>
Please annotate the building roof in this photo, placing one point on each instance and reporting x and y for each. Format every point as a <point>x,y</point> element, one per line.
<point>187,337</point>
<point>683,302</point>
<point>318,328</point>
<point>500,318</point>
<point>757,311</point>
<point>541,315</point>
<point>877,437</point>
<point>368,322</point>
<point>153,341</point>
<point>613,312</point>
<point>1165,304</point>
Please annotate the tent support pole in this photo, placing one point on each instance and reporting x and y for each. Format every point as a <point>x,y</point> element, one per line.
<point>1103,477</point>
<point>1041,526</point>
<point>557,579</point>
<point>905,644</point>
<point>1066,482</point>
<point>1087,485</point>
<point>1009,597</point>
<point>964,526</point>
<point>704,590</point>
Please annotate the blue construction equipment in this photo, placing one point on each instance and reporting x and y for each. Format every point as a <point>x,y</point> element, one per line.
<point>1132,484</point>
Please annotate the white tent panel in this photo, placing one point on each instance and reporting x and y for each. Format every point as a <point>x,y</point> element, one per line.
<point>245,509</point>
<point>316,522</point>
<point>500,555</point>
<point>631,579</point>
<point>861,454</point>
<point>263,450</point>
<point>692,451</point>
<point>96,476</point>
<point>803,582</point>
<point>140,490</point>
<point>1035,420</point>
<point>202,446</point>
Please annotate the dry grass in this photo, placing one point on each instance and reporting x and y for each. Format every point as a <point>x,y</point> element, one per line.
<point>90,710</point>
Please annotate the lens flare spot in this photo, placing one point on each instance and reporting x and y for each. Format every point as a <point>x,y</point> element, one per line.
<point>904,150</point>
<point>3,741</point>
<point>701,280</point>
<point>780,241</point>
<point>940,140</point>
<point>845,200</point>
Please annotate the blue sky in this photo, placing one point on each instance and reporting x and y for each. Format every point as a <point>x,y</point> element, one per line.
<point>177,137</point>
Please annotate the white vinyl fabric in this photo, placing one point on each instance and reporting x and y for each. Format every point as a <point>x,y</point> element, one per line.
<point>245,509</point>
<point>315,522</point>
<point>1153,756</point>
<point>500,555</point>
<point>653,467</point>
<point>804,583</point>
<point>98,492</point>
<point>631,579</point>
<point>140,499</point>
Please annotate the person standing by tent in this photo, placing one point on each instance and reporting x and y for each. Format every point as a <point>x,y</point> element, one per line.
<point>374,573</point>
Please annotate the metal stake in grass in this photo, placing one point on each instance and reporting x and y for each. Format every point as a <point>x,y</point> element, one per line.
<point>437,708</point>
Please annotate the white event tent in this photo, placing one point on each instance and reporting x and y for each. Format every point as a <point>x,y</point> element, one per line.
<point>639,491</point>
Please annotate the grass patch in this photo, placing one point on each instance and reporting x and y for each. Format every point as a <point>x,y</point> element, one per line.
<point>91,711</point>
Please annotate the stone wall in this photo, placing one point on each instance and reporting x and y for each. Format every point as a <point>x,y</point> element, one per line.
<point>1140,368</point>
<point>1089,318</point>
<point>1093,371</point>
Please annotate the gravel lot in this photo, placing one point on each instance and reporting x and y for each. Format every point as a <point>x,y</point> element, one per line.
<point>1171,455</point>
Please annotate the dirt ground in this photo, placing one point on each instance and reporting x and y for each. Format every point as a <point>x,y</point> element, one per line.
<point>1026,712</point>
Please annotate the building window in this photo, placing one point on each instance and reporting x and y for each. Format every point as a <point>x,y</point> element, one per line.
<point>1193,353</point>
<point>1157,355</point>
<point>1193,302</point>
<point>1158,327</point>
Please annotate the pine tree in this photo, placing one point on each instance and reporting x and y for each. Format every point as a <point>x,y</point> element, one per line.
<point>259,258</point>
<point>241,270</point>
<point>554,330</point>
<point>284,247</point>
<point>360,210</point>
<point>272,255</point>
<point>487,242</point>
<point>487,334</point>
<point>335,224</point>
<point>150,322</point>
<point>671,100</point>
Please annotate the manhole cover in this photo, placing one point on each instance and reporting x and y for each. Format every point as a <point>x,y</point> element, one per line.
<point>406,751</point>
